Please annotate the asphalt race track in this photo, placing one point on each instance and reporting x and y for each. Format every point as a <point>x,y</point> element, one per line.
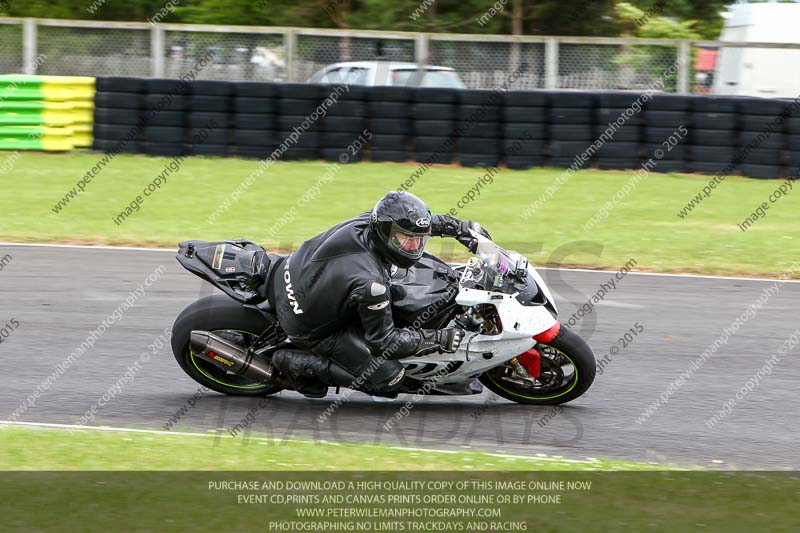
<point>58,295</point>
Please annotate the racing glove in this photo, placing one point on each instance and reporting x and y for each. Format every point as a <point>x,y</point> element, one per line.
<point>447,226</point>
<point>442,340</point>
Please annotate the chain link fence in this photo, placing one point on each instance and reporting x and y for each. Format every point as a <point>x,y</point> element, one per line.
<point>317,51</point>
<point>236,56</point>
<point>486,65</point>
<point>609,67</point>
<point>11,48</point>
<point>295,54</point>
<point>93,51</point>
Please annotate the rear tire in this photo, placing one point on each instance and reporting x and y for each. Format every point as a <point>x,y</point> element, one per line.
<point>218,313</point>
<point>575,350</point>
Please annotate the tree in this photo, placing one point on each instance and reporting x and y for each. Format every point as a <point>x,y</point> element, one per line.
<point>528,17</point>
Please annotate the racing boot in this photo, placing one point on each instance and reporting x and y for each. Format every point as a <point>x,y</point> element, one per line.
<point>302,371</point>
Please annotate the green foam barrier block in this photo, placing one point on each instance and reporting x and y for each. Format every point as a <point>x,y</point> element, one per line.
<point>21,144</point>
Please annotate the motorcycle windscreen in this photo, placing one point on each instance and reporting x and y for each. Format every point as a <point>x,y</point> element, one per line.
<point>530,294</point>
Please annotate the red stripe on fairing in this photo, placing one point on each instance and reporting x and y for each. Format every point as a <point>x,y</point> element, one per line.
<point>546,336</point>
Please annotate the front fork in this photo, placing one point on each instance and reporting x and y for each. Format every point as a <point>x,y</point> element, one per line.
<point>529,364</point>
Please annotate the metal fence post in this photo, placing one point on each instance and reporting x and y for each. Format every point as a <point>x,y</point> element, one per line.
<point>684,64</point>
<point>514,57</point>
<point>551,63</point>
<point>29,48</point>
<point>421,43</point>
<point>157,51</point>
<point>290,44</point>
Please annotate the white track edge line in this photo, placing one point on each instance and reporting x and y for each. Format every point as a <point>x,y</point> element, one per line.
<point>214,435</point>
<point>671,275</point>
<point>87,246</point>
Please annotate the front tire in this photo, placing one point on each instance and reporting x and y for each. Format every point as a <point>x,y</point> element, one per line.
<point>567,371</point>
<point>227,318</point>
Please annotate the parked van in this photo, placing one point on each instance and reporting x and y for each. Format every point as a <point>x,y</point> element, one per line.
<point>767,72</point>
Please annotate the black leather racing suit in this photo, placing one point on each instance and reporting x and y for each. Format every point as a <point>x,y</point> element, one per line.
<point>332,298</point>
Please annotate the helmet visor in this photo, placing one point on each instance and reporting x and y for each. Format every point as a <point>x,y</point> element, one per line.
<point>407,243</point>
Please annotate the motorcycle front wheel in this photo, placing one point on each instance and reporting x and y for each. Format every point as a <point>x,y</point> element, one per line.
<point>567,371</point>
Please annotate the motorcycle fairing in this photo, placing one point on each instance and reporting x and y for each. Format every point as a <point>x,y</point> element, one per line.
<point>231,266</point>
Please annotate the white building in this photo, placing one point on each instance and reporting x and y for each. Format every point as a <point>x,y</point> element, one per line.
<point>767,72</point>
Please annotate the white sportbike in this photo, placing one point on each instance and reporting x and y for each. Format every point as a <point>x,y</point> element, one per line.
<point>513,343</point>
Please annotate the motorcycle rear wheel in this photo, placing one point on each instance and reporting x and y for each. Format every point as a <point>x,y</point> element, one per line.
<point>567,371</point>
<point>223,316</point>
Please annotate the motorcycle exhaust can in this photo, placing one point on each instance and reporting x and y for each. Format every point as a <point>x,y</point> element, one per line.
<point>228,356</point>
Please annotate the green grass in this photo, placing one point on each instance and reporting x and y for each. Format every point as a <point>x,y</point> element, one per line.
<point>119,489</point>
<point>51,449</point>
<point>643,226</point>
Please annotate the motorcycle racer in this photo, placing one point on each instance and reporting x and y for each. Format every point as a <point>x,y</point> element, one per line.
<point>333,299</point>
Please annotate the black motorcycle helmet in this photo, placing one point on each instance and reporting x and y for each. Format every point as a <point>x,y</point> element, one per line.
<point>401,225</point>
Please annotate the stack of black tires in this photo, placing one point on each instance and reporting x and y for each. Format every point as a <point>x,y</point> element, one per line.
<point>761,137</point>
<point>118,107</point>
<point>665,139</point>
<point>664,120</point>
<point>665,132</point>
<point>792,142</point>
<point>344,121</point>
<point>617,129</point>
<point>390,121</point>
<point>255,106</point>
<point>756,137</point>
<point>164,116</point>
<point>525,129</point>
<point>713,135</point>
<point>571,117</point>
<point>435,124</point>
<point>479,123</point>
<point>207,118</point>
<point>297,128</point>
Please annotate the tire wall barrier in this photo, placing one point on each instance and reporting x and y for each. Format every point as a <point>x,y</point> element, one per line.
<point>519,129</point>
<point>52,113</point>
